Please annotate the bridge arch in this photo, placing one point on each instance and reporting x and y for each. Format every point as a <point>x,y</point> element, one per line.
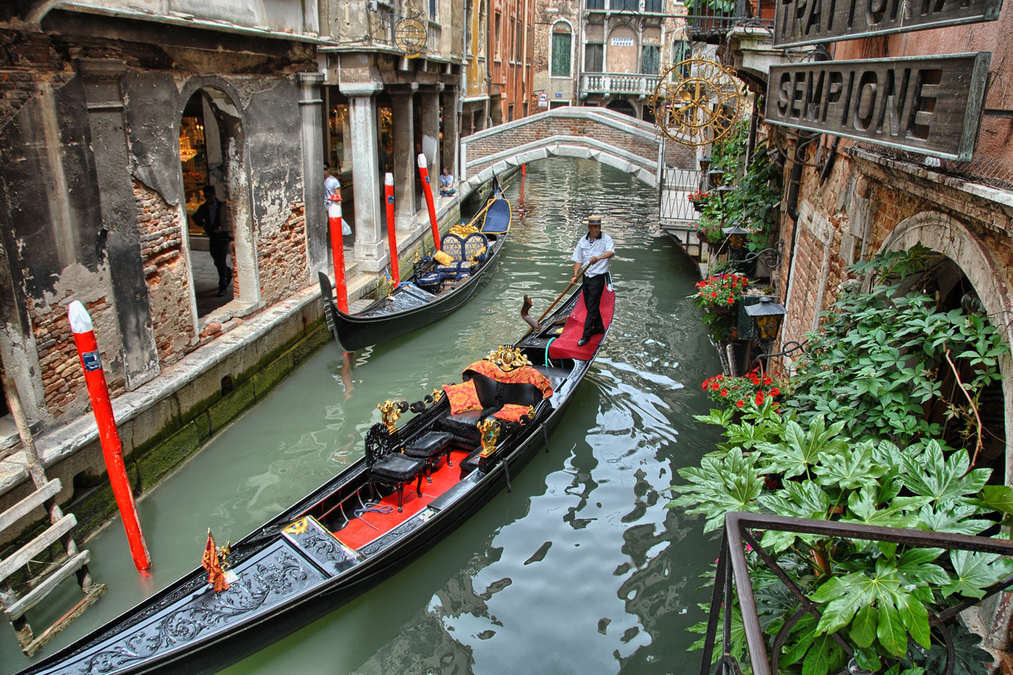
<point>603,135</point>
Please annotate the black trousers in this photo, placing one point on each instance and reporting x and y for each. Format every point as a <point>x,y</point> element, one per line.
<point>593,288</point>
<point>219,247</point>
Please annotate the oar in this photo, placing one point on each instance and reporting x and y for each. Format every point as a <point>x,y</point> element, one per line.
<point>527,302</point>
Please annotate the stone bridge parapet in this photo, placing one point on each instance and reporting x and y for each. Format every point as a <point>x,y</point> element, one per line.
<point>609,137</point>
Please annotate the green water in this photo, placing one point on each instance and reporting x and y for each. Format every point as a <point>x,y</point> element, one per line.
<point>580,569</point>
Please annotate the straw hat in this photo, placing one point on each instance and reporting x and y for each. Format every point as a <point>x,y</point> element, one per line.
<point>593,220</point>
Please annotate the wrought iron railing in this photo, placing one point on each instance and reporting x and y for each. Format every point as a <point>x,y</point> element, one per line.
<point>706,20</point>
<point>732,578</point>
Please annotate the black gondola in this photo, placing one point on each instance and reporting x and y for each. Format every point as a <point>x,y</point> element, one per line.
<point>435,290</point>
<point>366,523</point>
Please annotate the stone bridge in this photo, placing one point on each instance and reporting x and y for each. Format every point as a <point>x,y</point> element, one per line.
<point>609,137</point>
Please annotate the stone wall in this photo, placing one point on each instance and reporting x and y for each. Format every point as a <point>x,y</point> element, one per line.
<point>282,258</point>
<point>165,272</point>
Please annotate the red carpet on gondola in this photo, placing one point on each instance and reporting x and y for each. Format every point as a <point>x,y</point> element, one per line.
<point>360,531</point>
<point>565,346</point>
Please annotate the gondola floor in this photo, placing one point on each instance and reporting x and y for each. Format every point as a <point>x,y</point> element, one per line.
<point>378,521</point>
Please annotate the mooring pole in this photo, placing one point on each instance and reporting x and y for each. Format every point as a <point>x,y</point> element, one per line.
<point>428,190</point>
<point>109,437</point>
<point>338,251</point>
<point>388,188</point>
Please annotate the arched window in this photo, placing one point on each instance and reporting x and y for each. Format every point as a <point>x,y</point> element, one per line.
<point>562,46</point>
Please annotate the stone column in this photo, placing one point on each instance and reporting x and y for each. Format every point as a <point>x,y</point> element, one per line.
<point>431,134</point>
<point>370,252</point>
<point>450,130</point>
<point>310,112</point>
<point>403,161</point>
<point>104,97</point>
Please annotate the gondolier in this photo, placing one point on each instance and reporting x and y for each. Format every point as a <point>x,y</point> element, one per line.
<point>593,251</point>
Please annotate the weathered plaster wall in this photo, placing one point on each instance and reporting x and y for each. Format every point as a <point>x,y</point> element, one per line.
<point>282,258</point>
<point>166,273</point>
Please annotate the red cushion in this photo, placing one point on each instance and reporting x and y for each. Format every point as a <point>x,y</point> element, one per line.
<point>463,397</point>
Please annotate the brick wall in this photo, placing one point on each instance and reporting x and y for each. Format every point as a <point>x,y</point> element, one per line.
<point>282,258</point>
<point>165,272</point>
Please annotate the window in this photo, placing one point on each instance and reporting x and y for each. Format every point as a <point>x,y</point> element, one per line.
<point>512,37</point>
<point>561,41</point>
<point>433,4</point>
<point>518,41</point>
<point>624,5</point>
<point>594,55</point>
<point>496,43</point>
<point>650,59</point>
<point>656,6</point>
<point>681,52</point>
<point>595,4</point>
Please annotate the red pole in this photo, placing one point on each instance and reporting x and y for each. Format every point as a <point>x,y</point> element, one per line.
<point>428,190</point>
<point>109,438</point>
<point>388,188</point>
<point>338,251</point>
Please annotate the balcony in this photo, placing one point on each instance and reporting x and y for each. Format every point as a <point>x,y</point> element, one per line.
<point>626,84</point>
<point>710,21</point>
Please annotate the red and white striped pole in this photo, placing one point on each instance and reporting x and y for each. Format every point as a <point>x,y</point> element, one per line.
<point>428,190</point>
<point>338,251</point>
<point>388,188</point>
<point>109,438</point>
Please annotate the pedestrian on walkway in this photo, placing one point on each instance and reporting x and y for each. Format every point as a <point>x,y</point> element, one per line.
<point>211,216</point>
<point>332,192</point>
<point>447,188</point>
<point>594,250</point>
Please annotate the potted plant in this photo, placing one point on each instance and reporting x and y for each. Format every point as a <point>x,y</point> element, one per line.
<point>698,199</point>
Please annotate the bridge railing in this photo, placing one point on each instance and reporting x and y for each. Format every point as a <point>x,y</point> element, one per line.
<point>619,83</point>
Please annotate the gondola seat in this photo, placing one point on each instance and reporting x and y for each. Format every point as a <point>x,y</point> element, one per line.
<point>430,282</point>
<point>430,447</point>
<point>388,466</point>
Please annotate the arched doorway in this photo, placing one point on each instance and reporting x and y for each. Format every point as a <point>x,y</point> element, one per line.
<point>210,143</point>
<point>623,106</point>
<point>962,274</point>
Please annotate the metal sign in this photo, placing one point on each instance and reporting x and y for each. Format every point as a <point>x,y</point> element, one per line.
<point>926,104</point>
<point>807,22</point>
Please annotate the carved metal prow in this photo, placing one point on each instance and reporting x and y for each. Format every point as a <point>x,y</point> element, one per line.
<point>524,312</point>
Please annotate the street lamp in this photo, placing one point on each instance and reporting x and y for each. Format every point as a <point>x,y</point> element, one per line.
<point>736,237</point>
<point>705,164</point>
<point>715,177</point>
<point>767,316</point>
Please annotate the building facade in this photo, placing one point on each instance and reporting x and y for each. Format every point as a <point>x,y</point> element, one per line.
<point>511,42</point>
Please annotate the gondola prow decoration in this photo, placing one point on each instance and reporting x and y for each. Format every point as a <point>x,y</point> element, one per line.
<point>490,429</point>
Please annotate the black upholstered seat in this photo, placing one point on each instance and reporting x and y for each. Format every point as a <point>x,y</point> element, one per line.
<point>494,395</point>
<point>430,448</point>
<point>387,466</point>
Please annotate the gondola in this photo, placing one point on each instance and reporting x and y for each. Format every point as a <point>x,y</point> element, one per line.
<point>365,524</point>
<point>436,289</point>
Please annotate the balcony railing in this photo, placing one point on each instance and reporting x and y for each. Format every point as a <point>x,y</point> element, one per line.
<point>743,532</point>
<point>632,84</point>
<point>706,21</point>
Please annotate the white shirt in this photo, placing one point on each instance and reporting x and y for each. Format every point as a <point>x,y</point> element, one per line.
<point>331,186</point>
<point>586,249</point>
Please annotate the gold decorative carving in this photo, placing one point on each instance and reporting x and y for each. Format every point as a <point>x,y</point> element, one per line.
<point>391,412</point>
<point>507,358</point>
<point>489,428</point>
<point>298,527</point>
<point>697,102</point>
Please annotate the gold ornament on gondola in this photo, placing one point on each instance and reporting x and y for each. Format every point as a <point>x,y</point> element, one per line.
<point>391,412</point>
<point>437,395</point>
<point>508,358</point>
<point>410,37</point>
<point>696,102</point>
<point>489,428</point>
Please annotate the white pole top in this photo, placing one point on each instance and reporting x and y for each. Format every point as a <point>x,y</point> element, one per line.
<point>334,209</point>
<point>422,161</point>
<point>388,178</point>
<point>80,320</point>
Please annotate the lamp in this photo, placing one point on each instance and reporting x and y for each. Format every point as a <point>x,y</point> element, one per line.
<point>767,315</point>
<point>705,164</point>
<point>715,177</point>
<point>736,236</point>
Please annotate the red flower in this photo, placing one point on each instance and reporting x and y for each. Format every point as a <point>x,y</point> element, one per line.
<point>767,380</point>
<point>731,301</point>
<point>774,392</point>
<point>715,386</point>
<point>724,392</point>
<point>739,404</point>
<point>714,294</point>
<point>759,398</point>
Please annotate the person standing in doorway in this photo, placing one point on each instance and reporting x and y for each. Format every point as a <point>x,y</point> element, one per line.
<point>332,193</point>
<point>211,216</point>
<point>595,251</point>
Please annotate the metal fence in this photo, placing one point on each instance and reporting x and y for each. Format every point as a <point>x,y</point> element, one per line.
<point>743,529</point>
<point>676,186</point>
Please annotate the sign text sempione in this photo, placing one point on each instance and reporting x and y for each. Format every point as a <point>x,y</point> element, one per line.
<point>931,105</point>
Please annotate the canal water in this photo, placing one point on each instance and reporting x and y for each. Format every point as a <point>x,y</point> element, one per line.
<point>580,569</point>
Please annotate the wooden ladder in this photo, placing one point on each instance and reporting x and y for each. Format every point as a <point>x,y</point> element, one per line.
<point>14,605</point>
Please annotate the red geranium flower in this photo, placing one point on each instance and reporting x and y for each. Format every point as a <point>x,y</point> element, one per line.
<point>724,392</point>
<point>739,404</point>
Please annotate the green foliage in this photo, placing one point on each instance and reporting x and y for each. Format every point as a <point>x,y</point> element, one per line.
<point>879,358</point>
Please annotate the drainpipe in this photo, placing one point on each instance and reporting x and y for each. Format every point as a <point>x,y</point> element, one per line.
<point>524,61</point>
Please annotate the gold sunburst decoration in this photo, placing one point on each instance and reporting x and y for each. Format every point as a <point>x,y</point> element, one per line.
<point>410,36</point>
<point>697,101</point>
